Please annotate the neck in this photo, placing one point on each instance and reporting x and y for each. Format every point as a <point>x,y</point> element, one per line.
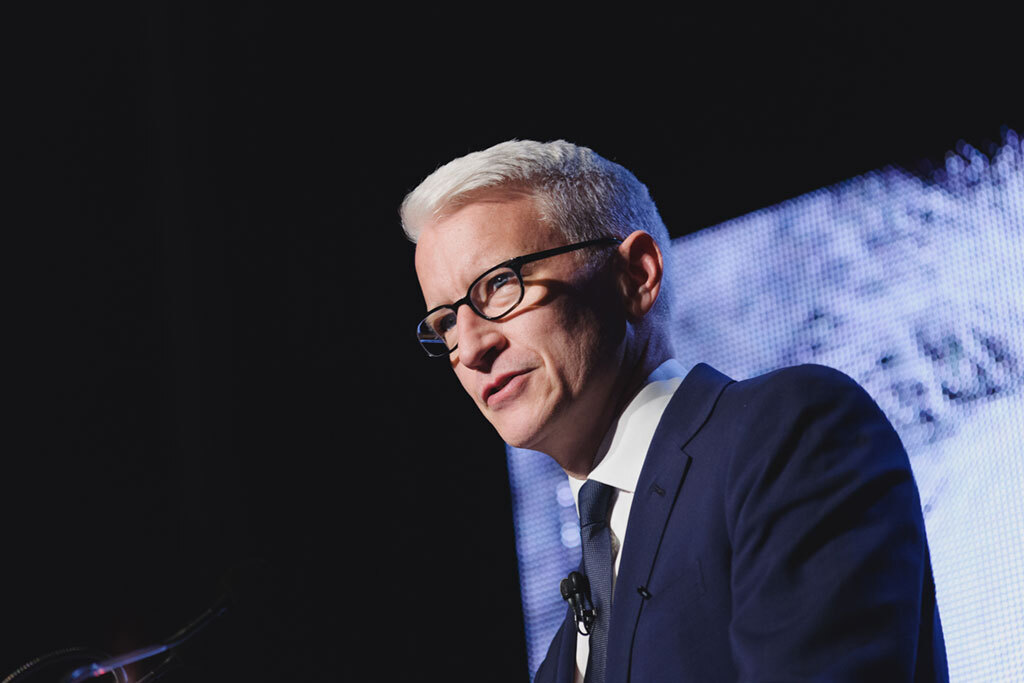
<point>575,452</point>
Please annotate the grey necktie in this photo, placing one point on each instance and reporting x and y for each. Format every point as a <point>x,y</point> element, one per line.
<point>597,565</point>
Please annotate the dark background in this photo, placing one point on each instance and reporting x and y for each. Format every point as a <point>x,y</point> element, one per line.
<point>210,300</point>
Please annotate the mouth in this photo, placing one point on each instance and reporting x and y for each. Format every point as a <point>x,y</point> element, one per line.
<point>505,386</point>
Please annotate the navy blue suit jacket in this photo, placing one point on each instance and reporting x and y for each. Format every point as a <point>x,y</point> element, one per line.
<point>775,535</point>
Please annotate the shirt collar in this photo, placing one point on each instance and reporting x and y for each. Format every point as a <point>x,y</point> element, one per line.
<point>621,455</point>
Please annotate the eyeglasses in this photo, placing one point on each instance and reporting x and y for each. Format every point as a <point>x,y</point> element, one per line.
<point>493,295</point>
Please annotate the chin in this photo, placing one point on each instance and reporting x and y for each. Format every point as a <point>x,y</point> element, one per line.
<point>526,426</point>
<point>525,422</point>
<point>520,436</point>
<point>517,440</point>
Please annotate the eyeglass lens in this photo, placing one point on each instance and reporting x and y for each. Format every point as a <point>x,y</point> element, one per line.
<point>495,294</point>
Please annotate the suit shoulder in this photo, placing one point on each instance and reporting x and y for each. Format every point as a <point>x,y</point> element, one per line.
<point>794,401</point>
<point>795,386</point>
<point>804,377</point>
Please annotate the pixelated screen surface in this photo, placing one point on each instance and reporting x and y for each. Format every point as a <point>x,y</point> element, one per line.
<point>915,288</point>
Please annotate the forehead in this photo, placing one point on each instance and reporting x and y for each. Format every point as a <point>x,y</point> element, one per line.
<point>455,249</point>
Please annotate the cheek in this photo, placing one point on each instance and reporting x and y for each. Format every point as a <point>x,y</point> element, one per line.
<point>572,351</point>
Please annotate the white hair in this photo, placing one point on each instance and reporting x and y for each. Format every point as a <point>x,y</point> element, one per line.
<point>582,194</point>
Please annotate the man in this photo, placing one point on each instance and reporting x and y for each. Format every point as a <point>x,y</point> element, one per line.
<point>768,529</point>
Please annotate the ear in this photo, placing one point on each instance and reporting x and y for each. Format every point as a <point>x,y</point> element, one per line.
<point>641,274</point>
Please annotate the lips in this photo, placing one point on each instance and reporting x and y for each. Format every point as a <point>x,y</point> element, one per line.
<point>500,387</point>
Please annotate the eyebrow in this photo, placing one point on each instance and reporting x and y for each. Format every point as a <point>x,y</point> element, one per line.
<point>533,257</point>
<point>475,278</point>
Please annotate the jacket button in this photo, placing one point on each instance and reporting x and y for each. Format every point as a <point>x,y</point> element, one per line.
<point>644,593</point>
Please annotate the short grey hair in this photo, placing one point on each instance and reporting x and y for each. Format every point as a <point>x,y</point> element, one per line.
<point>582,194</point>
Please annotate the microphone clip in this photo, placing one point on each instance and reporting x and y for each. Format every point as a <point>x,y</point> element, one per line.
<point>576,591</point>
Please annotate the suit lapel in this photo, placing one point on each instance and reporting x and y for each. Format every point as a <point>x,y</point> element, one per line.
<point>566,670</point>
<point>657,490</point>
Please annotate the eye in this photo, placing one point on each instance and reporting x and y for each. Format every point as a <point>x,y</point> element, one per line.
<point>444,324</point>
<point>496,292</point>
<point>499,280</point>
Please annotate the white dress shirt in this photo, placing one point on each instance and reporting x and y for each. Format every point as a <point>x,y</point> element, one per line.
<point>618,462</point>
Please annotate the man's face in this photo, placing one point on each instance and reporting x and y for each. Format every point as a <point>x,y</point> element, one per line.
<point>547,370</point>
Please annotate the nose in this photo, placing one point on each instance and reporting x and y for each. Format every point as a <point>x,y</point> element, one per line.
<point>480,341</point>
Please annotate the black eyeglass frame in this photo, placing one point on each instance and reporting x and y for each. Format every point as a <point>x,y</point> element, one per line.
<point>515,264</point>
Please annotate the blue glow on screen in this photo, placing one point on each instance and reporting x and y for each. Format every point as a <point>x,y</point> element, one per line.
<point>915,288</point>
